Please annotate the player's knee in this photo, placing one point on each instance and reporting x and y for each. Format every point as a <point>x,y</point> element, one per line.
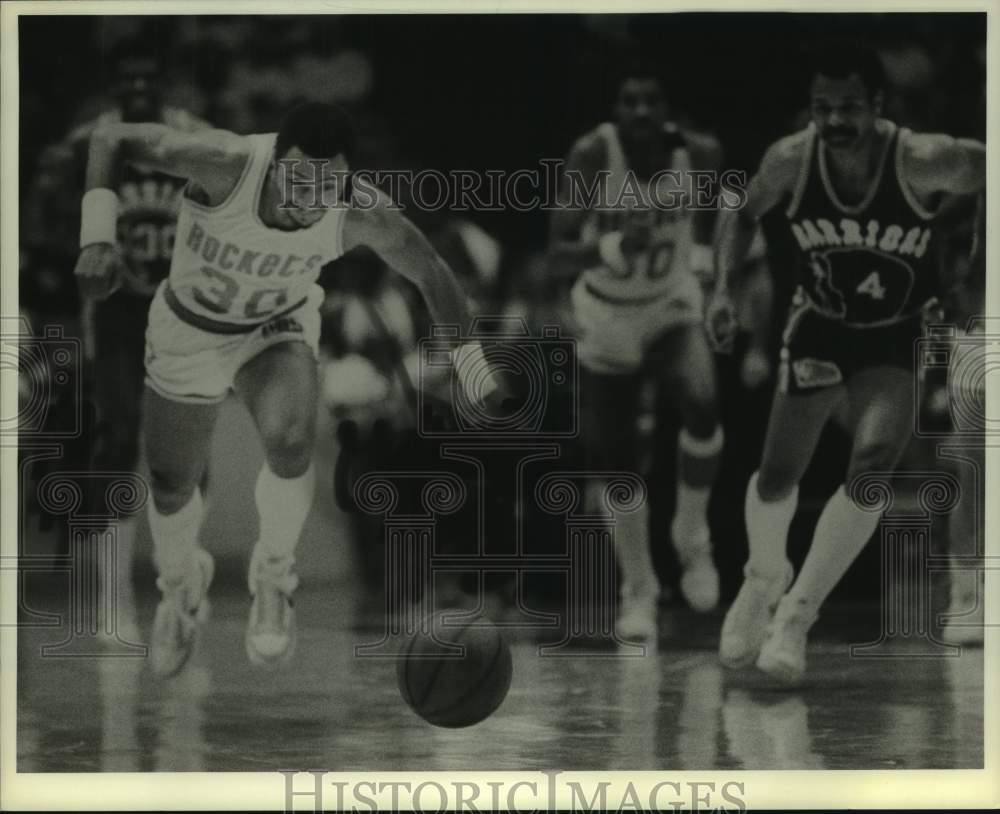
<point>775,482</point>
<point>171,489</point>
<point>701,419</point>
<point>289,449</point>
<point>697,406</point>
<point>877,456</point>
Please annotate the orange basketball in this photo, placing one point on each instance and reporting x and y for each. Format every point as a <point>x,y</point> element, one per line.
<point>458,674</point>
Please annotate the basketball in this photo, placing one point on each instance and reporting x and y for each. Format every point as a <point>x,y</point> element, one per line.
<point>458,674</point>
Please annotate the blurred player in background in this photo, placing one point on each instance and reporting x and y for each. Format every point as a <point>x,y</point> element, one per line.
<point>859,195</point>
<point>638,309</point>
<point>966,407</point>
<point>260,216</point>
<point>114,330</point>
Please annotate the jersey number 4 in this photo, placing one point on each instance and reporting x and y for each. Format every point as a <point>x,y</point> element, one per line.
<point>872,286</point>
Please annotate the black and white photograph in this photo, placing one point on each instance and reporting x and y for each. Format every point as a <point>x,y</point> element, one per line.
<point>586,410</point>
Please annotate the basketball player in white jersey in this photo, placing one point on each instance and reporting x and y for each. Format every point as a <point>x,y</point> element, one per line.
<point>860,195</point>
<point>260,215</point>
<point>638,311</point>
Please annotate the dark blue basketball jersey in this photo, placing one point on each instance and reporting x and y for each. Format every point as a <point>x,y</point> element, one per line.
<point>871,263</point>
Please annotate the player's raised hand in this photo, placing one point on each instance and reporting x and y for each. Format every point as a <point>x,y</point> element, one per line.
<point>720,321</point>
<point>98,271</point>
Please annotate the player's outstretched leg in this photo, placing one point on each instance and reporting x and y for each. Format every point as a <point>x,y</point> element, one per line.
<point>687,366</point>
<point>280,387</point>
<point>611,404</point>
<point>177,438</point>
<point>881,413</point>
<point>965,618</point>
<point>794,428</point>
<point>698,462</point>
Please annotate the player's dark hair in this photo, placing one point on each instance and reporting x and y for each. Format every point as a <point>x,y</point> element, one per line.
<point>320,130</point>
<point>841,59</point>
<point>134,50</point>
<point>640,68</point>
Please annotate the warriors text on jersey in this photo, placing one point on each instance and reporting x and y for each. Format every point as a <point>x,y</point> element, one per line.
<point>868,264</point>
<point>229,271</point>
<point>632,202</point>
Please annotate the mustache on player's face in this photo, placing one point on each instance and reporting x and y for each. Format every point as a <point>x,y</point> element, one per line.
<point>839,133</point>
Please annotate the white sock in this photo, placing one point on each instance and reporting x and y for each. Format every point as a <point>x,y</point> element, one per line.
<point>283,505</point>
<point>175,536</point>
<point>631,544</point>
<point>697,463</point>
<point>767,528</point>
<point>842,531</point>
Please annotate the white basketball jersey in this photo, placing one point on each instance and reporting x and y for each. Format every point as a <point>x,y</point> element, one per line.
<point>650,273</point>
<point>228,268</point>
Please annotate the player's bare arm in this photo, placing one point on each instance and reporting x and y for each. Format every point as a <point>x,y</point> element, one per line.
<point>704,153</point>
<point>569,253</point>
<point>212,160</point>
<point>775,179</point>
<point>403,247</point>
<point>935,163</point>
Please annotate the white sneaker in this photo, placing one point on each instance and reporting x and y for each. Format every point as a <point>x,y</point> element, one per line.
<point>183,608</point>
<point>783,654</point>
<point>270,636</point>
<point>745,626</point>
<point>700,580</point>
<point>637,617</point>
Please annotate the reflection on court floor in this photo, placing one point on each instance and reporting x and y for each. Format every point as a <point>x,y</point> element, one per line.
<point>674,708</point>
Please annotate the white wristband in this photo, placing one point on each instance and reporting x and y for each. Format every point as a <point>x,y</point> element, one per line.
<point>473,371</point>
<point>98,217</point>
<point>609,247</point>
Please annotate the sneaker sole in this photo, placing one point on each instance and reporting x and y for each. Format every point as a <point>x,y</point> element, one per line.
<point>201,616</point>
<point>750,655</point>
<point>782,671</point>
<point>261,660</point>
<point>705,606</point>
<point>637,635</point>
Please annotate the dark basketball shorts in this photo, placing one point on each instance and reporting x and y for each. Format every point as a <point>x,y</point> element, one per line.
<point>819,352</point>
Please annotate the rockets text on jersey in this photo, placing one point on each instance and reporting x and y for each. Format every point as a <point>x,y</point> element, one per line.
<point>229,271</point>
<point>633,205</point>
<point>871,263</point>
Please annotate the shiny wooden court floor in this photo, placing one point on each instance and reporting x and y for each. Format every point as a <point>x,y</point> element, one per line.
<point>674,708</point>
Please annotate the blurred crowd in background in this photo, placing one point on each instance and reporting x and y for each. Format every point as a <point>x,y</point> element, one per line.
<point>480,92</point>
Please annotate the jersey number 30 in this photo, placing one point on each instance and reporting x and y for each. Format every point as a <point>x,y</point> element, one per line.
<point>220,295</point>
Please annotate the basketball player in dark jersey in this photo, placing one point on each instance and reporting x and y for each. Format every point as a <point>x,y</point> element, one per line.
<point>114,330</point>
<point>859,194</point>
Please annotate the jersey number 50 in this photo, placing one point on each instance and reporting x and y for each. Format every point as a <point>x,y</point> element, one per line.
<point>653,263</point>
